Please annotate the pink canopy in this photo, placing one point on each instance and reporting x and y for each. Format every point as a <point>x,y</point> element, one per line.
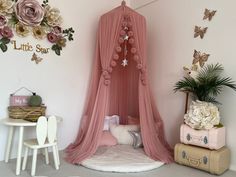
<point>115,89</point>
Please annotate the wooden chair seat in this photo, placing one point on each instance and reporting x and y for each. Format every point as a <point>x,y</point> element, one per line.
<point>33,144</point>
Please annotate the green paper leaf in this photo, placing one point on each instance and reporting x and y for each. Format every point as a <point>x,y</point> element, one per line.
<point>3,47</point>
<point>219,125</point>
<point>54,47</point>
<point>58,52</point>
<point>59,47</point>
<point>5,40</point>
<point>208,83</point>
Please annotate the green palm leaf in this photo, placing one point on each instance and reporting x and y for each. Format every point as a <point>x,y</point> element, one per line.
<point>207,85</point>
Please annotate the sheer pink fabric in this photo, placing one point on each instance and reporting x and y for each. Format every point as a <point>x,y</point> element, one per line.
<point>119,90</point>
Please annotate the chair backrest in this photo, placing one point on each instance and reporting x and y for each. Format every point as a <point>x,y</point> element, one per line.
<point>46,128</point>
<point>41,130</point>
<point>52,129</point>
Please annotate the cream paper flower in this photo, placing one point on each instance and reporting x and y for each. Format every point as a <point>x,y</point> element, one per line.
<point>39,32</point>
<point>202,115</point>
<point>22,30</point>
<point>53,16</point>
<point>6,6</point>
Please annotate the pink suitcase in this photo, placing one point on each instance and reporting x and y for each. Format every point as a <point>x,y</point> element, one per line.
<point>212,139</point>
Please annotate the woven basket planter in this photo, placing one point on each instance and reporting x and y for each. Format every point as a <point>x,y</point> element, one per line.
<point>26,112</point>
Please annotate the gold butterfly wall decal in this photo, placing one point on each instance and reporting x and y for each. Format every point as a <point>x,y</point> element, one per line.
<point>200,58</point>
<point>36,58</point>
<point>199,31</point>
<point>208,14</point>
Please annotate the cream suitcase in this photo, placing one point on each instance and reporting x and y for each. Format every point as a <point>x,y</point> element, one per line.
<point>213,161</point>
<point>212,139</point>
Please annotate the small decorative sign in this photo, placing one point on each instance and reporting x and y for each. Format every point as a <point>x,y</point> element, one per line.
<point>28,47</point>
<point>29,17</point>
<point>19,100</point>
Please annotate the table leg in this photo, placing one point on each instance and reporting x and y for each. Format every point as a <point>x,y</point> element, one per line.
<point>9,141</point>
<point>18,162</point>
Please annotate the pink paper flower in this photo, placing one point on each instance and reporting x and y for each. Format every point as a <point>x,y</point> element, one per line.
<point>6,32</point>
<point>109,69</point>
<point>133,50</point>
<point>131,40</point>
<point>118,49</point>
<point>3,20</point>
<point>139,66</point>
<point>130,33</point>
<point>122,32</point>
<point>57,29</point>
<point>52,37</point>
<point>121,40</point>
<point>113,63</point>
<point>124,24</point>
<point>104,73</point>
<point>29,12</point>
<point>116,56</point>
<point>136,58</point>
<point>107,77</point>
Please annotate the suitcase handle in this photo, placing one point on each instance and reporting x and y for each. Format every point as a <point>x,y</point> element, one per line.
<point>203,139</point>
<point>193,161</point>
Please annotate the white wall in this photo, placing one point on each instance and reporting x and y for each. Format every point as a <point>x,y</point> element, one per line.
<point>170,47</point>
<point>61,81</point>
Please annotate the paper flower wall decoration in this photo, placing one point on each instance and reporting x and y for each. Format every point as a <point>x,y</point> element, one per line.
<point>29,17</point>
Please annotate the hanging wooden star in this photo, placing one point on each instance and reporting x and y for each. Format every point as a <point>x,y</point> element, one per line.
<point>124,62</point>
<point>126,37</point>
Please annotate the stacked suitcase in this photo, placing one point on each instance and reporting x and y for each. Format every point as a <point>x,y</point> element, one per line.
<point>203,149</point>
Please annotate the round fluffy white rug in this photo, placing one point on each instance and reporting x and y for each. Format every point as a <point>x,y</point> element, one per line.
<point>121,158</point>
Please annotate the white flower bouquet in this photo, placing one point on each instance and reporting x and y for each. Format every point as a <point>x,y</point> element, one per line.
<point>202,115</point>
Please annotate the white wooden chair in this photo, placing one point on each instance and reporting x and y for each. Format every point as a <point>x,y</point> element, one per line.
<point>46,131</point>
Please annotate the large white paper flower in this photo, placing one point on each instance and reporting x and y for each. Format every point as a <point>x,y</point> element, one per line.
<point>202,115</point>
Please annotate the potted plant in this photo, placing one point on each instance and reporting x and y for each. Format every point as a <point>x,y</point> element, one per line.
<point>207,84</point>
<point>204,85</point>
